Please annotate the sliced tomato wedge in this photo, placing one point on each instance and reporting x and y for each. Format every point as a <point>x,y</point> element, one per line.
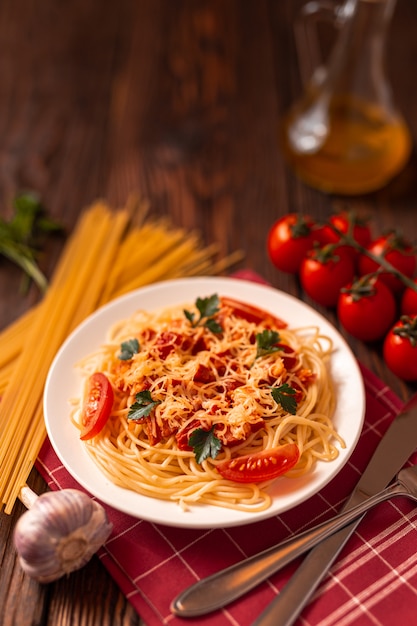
<point>265,465</point>
<point>252,313</point>
<point>97,405</point>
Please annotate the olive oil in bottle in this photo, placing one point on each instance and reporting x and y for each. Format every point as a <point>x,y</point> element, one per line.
<point>344,135</point>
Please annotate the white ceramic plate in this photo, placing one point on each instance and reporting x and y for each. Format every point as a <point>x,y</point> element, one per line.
<point>63,382</point>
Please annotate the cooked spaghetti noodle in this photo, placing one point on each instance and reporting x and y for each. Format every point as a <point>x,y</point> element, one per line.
<point>217,382</point>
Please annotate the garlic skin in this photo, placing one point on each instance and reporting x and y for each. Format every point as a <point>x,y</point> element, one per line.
<point>60,533</point>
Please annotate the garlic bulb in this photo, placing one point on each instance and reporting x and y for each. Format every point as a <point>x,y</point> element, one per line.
<point>60,533</point>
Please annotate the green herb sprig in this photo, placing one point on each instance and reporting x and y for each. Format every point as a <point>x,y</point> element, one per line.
<point>22,236</point>
<point>205,444</point>
<point>207,308</point>
<point>128,349</point>
<point>285,396</point>
<point>143,405</point>
<point>266,343</point>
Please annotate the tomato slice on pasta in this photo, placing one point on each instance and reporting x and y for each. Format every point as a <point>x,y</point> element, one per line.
<point>265,465</point>
<point>252,313</point>
<point>97,405</point>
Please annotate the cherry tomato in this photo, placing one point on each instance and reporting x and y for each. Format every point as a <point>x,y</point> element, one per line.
<point>346,223</point>
<point>252,313</point>
<point>367,309</point>
<point>265,465</point>
<point>409,301</point>
<point>97,405</point>
<point>289,240</point>
<point>400,348</point>
<point>324,272</point>
<point>398,252</point>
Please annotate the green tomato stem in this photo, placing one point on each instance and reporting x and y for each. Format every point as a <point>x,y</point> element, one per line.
<point>345,238</point>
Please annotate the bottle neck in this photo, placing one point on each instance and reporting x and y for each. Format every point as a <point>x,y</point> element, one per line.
<point>356,64</point>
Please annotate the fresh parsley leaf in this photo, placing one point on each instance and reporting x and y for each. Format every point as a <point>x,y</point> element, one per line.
<point>266,343</point>
<point>30,215</point>
<point>205,444</point>
<point>207,307</point>
<point>189,315</point>
<point>22,236</point>
<point>285,396</point>
<point>214,326</point>
<point>128,349</point>
<point>23,256</point>
<point>143,405</point>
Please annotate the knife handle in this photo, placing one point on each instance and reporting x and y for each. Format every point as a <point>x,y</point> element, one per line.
<point>221,588</point>
<point>227,585</point>
<point>287,606</point>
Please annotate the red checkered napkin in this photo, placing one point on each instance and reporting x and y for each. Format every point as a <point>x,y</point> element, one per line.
<point>374,580</point>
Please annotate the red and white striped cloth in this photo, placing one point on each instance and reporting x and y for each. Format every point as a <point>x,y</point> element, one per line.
<point>374,580</point>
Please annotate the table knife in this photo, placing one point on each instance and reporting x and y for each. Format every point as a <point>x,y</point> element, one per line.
<point>398,443</point>
<point>223,587</point>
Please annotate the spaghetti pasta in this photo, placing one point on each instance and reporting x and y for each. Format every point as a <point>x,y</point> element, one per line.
<point>210,375</point>
<point>102,259</point>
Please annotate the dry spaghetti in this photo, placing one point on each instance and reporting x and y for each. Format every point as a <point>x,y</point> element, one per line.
<point>214,375</point>
<point>109,253</point>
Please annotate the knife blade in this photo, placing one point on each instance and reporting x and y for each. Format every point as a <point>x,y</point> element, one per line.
<point>394,449</point>
<point>221,588</point>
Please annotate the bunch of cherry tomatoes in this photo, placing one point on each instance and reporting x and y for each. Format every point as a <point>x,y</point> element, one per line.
<point>370,282</point>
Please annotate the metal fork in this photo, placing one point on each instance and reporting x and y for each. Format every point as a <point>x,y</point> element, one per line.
<point>221,588</point>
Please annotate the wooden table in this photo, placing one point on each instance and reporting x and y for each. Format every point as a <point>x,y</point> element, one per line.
<point>179,100</point>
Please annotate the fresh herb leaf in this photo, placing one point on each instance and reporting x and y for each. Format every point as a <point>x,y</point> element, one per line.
<point>29,209</point>
<point>266,343</point>
<point>205,444</point>
<point>24,257</point>
<point>207,307</point>
<point>190,316</point>
<point>285,396</point>
<point>128,349</point>
<point>21,236</point>
<point>214,326</point>
<point>143,405</point>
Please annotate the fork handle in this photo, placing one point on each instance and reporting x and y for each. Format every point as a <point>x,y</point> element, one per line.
<point>298,590</point>
<point>221,588</point>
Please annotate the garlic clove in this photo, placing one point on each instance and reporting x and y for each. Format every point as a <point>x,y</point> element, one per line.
<point>60,533</point>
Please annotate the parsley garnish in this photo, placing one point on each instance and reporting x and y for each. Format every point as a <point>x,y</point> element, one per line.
<point>266,343</point>
<point>205,444</point>
<point>128,349</point>
<point>285,396</point>
<point>143,405</point>
<point>22,236</point>
<point>207,307</point>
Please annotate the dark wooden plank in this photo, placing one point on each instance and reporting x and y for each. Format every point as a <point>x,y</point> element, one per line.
<point>182,102</point>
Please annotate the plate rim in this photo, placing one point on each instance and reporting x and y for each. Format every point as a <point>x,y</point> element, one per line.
<point>226,518</point>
